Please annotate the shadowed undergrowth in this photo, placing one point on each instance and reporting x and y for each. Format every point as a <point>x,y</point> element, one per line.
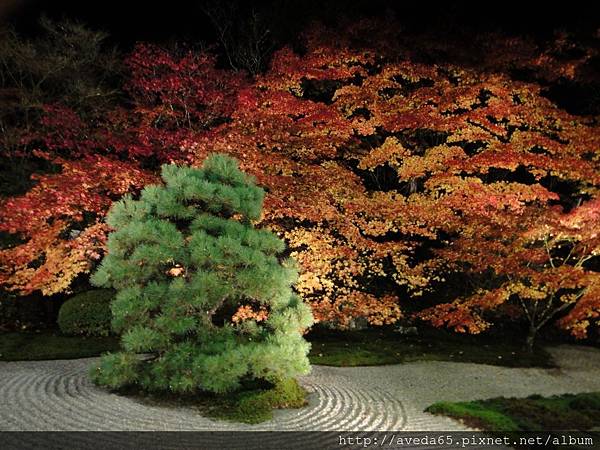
<point>332,348</point>
<point>374,347</point>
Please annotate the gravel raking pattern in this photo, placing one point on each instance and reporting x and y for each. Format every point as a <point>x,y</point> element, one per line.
<point>59,396</point>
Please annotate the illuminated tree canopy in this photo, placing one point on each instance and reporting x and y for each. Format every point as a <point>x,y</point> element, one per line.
<point>386,174</point>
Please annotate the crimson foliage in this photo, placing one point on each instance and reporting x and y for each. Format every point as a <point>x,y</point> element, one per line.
<point>386,174</point>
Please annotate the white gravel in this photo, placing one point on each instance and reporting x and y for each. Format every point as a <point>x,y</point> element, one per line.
<point>57,395</point>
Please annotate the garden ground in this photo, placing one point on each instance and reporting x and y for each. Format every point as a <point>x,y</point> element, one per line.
<point>58,395</point>
<point>329,348</point>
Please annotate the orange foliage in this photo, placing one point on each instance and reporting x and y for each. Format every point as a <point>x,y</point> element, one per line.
<point>246,312</point>
<point>316,129</point>
<point>386,172</point>
<point>61,220</point>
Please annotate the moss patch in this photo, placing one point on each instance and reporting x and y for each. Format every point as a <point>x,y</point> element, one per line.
<point>330,348</point>
<point>257,406</point>
<point>52,345</point>
<point>379,347</point>
<point>535,413</point>
<point>253,404</point>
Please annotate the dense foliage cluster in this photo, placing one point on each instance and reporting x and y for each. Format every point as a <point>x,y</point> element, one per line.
<point>451,191</point>
<point>184,258</point>
<point>87,313</point>
<point>401,173</point>
<point>61,218</point>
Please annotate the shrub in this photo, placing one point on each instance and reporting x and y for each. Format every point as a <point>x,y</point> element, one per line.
<point>87,313</point>
<point>201,291</point>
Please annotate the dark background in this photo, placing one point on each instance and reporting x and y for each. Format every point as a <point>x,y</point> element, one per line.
<point>128,21</point>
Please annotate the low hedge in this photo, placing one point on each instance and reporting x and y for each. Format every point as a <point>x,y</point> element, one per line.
<point>87,313</point>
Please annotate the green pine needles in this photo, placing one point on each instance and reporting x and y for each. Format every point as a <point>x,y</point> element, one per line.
<point>183,258</point>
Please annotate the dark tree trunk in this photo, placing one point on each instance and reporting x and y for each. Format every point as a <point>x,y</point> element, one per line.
<point>530,340</point>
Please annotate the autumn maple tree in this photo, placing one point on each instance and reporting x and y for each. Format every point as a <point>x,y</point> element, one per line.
<point>97,158</point>
<point>373,163</point>
<point>62,219</point>
<point>535,259</point>
<point>392,162</point>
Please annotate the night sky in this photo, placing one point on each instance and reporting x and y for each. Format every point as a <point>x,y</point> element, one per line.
<point>129,21</point>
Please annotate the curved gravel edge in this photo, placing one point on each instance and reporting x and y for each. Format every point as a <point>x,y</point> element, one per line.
<point>58,395</point>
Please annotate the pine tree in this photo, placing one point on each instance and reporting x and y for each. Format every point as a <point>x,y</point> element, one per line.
<point>184,258</point>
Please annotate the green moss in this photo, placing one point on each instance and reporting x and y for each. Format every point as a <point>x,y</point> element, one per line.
<point>87,313</point>
<point>475,414</point>
<point>585,402</point>
<point>534,413</point>
<point>48,345</point>
<point>257,406</point>
<point>364,348</point>
<point>253,404</point>
<point>378,347</point>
